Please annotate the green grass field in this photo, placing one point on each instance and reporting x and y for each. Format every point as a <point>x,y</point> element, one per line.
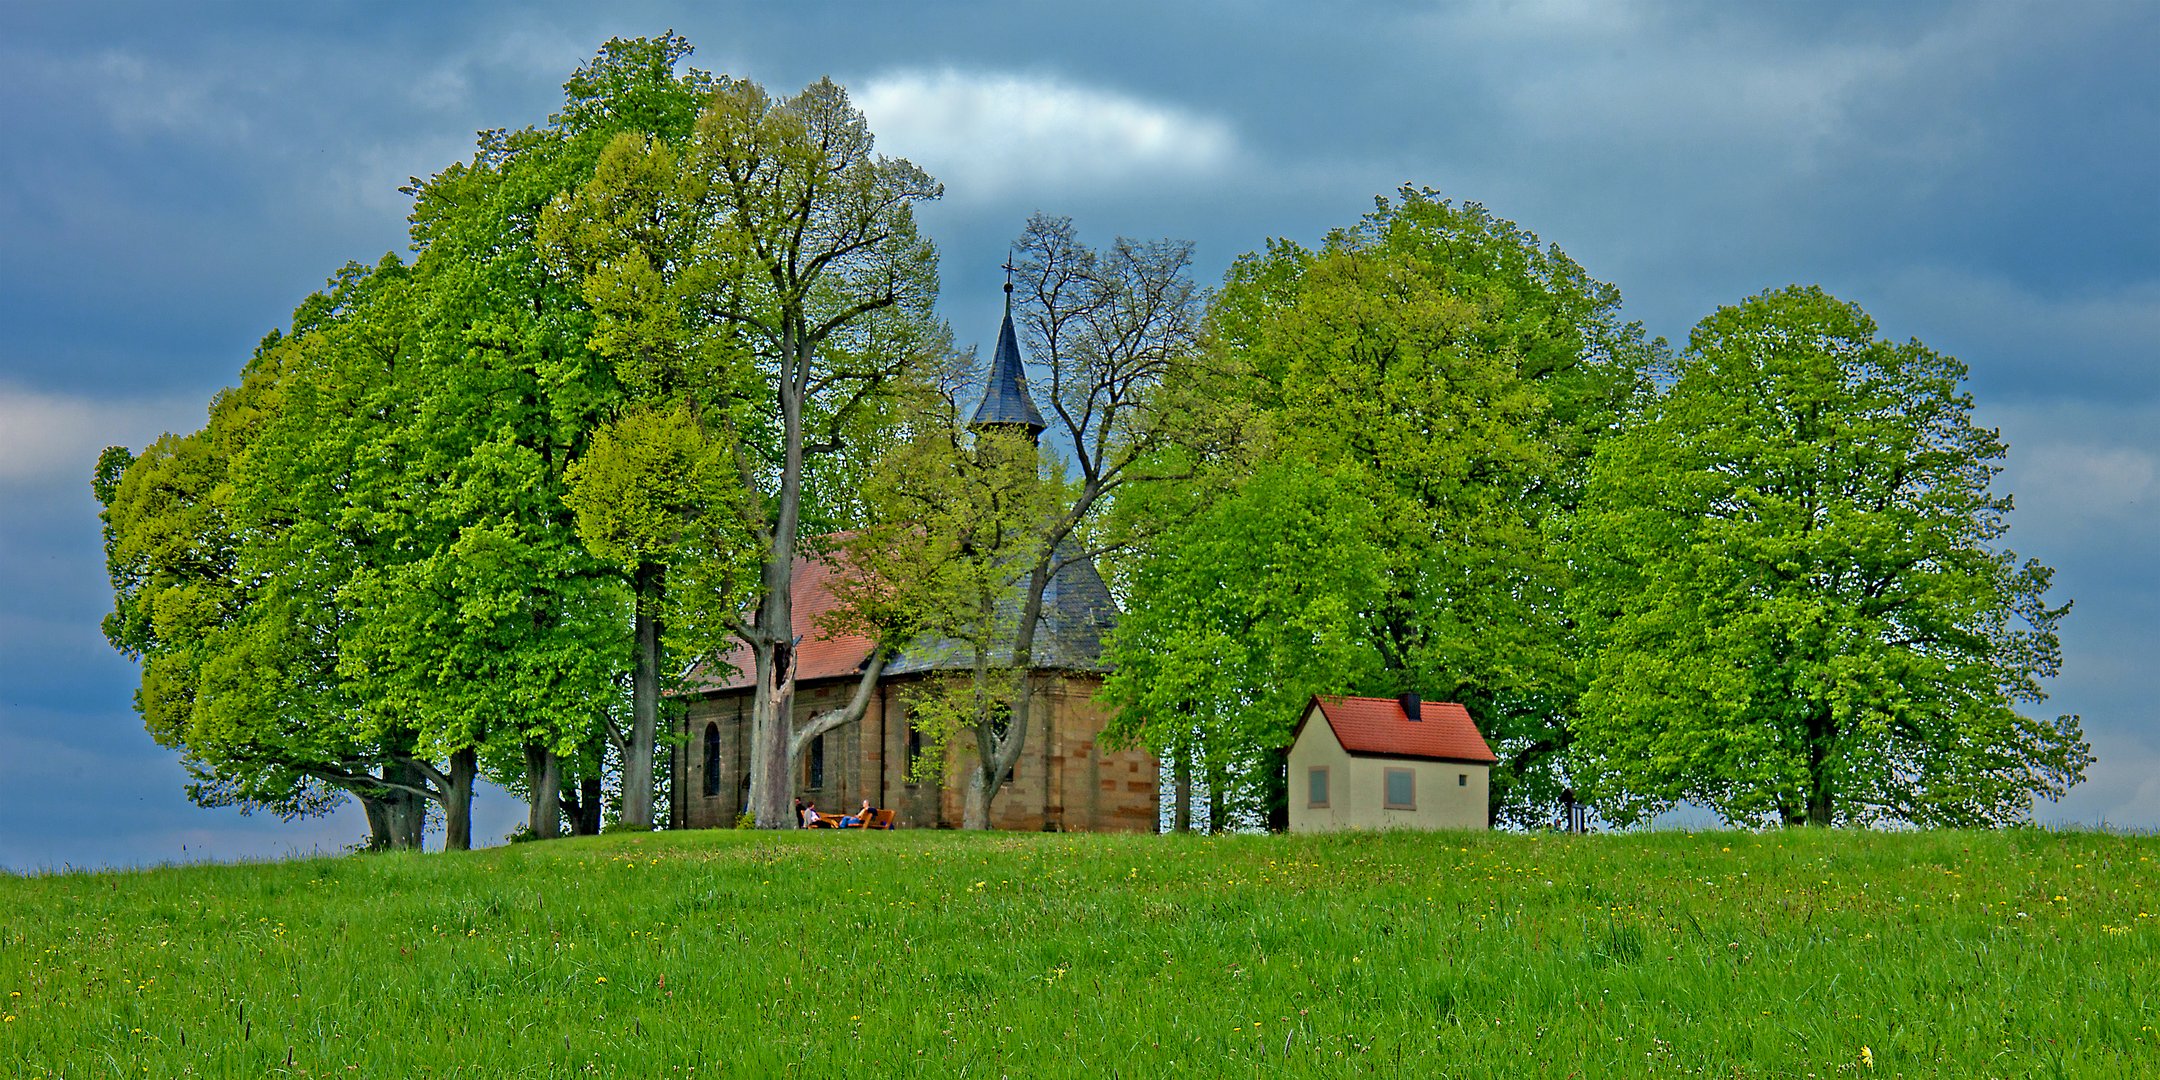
<point>2021,953</point>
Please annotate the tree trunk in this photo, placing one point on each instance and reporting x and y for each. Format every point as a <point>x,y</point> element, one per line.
<point>975,801</point>
<point>1216,781</point>
<point>1821,730</point>
<point>543,781</point>
<point>1278,798</point>
<point>457,800</point>
<point>772,718</point>
<point>381,836</point>
<point>649,584</point>
<point>1181,788</point>
<point>582,807</point>
<point>585,813</point>
<point>1003,749</point>
<point>771,780</point>
<point>406,810</point>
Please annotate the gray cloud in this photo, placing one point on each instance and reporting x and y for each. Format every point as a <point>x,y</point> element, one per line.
<point>988,134</point>
<point>53,439</point>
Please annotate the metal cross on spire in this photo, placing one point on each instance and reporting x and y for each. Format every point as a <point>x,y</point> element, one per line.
<point>1009,268</point>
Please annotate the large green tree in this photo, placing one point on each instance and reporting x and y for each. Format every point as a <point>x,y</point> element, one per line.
<point>1417,400</point>
<point>768,273</point>
<point>499,635</point>
<point>227,562</point>
<point>1794,576</point>
<point>390,595</point>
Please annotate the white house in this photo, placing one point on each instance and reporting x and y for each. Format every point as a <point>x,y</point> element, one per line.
<point>1387,763</point>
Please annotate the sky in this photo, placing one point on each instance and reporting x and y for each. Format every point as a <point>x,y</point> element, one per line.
<point>1982,177</point>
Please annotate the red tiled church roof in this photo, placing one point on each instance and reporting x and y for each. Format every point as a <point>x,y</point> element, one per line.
<point>1365,725</point>
<point>1077,611</point>
<point>822,654</point>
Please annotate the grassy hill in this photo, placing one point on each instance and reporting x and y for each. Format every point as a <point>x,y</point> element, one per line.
<point>938,954</point>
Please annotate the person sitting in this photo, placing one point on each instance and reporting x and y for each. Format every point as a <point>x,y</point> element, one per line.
<point>811,819</point>
<point>859,818</point>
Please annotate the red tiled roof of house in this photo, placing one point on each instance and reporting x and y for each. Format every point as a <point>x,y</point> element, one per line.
<point>1366,725</point>
<point>822,654</point>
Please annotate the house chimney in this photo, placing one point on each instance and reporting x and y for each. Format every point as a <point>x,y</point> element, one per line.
<point>1412,707</point>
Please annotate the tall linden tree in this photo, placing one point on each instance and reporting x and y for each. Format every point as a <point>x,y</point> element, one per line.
<point>1801,606</point>
<point>767,280</point>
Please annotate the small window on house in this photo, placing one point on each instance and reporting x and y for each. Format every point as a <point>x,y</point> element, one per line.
<point>1316,787</point>
<point>814,770</point>
<point>712,761</point>
<point>1462,779</point>
<point>914,751</point>
<point>1401,789</point>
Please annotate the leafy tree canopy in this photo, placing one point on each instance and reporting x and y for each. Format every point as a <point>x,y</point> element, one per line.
<point>1793,575</point>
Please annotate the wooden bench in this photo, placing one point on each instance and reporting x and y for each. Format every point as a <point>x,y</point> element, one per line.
<point>880,819</point>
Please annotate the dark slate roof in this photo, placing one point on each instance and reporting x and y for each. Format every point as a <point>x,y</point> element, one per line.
<point>1077,611</point>
<point>1005,399</point>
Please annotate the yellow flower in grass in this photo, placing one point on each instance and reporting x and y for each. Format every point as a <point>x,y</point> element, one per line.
<point>1867,1057</point>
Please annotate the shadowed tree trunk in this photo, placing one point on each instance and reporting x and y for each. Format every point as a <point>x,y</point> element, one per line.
<point>1217,779</point>
<point>637,774</point>
<point>1181,787</point>
<point>392,824</point>
<point>1278,790</point>
<point>457,800</point>
<point>543,782</point>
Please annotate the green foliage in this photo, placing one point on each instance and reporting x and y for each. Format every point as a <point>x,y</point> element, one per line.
<point>646,475</point>
<point>1417,399</point>
<point>765,272</point>
<point>944,954</point>
<point>1254,612</point>
<point>1801,605</point>
<point>956,528</point>
<point>363,573</point>
<point>656,487</point>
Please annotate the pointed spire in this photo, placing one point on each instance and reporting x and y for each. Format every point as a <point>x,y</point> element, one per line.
<point>1005,399</point>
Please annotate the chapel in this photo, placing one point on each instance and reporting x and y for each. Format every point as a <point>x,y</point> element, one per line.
<point>1064,780</point>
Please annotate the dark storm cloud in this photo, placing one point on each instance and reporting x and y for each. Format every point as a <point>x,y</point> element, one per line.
<point>1979,176</point>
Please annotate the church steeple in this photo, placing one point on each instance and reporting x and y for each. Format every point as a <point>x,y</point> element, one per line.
<point>1005,400</point>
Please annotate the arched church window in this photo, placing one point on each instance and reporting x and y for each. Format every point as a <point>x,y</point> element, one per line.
<point>712,760</point>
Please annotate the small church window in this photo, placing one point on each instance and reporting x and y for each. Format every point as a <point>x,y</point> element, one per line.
<point>814,769</point>
<point>712,760</point>
<point>1401,789</point>
<point>1316,784</point>
<point>914,749</point>
<point>1462,779</point>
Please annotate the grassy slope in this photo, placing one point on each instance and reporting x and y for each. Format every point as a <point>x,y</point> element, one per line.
<point>938,954</point>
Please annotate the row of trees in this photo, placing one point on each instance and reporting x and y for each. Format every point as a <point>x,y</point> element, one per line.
<point>470,512</point>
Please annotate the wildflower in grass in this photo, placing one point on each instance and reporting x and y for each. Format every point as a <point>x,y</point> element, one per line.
<point>1867,1057</point>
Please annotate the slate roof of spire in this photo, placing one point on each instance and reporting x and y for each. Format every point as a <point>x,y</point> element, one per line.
<point>1005,399</point>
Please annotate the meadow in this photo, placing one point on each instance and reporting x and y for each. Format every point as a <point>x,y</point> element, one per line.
<point>1785,954</point>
